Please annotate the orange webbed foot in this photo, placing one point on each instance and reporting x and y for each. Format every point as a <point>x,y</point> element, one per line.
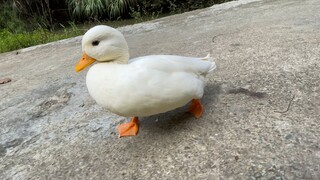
<point>196,108</point>
<point>129,129</point>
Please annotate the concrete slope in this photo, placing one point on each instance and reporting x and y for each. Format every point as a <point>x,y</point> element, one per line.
<point>262,104</point>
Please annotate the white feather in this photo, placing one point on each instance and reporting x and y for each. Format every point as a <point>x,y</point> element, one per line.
<point>147,85</point>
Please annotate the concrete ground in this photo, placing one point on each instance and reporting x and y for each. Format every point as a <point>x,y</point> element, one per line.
<point>262,104</point>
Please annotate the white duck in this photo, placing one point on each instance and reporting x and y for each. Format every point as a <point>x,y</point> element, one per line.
<point>141,86</point>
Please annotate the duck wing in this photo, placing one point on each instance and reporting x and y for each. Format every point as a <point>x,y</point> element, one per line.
<point>172,63</point>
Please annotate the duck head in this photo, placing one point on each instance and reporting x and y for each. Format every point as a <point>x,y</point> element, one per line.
<point>104,44</point>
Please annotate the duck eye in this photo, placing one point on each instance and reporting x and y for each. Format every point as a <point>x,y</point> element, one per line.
<point>95,43</point>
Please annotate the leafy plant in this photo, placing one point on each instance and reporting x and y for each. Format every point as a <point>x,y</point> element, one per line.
<point>9,17</point>
<point>147,7</point>
<point>99,9</point>
<point>36,13</point>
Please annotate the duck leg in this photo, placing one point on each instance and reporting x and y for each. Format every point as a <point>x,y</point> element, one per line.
<point>129,129</point>
<point>196,108</point>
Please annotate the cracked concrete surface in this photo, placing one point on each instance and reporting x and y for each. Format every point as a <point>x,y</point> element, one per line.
<point>262,104</point>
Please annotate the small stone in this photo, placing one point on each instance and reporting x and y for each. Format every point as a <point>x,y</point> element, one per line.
<point>96,129</point>
<point>289,136</point>
<point>5,80</point>
<point>236,158</point>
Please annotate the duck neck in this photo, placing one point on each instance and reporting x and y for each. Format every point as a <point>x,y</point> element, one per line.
<point>123,59</point>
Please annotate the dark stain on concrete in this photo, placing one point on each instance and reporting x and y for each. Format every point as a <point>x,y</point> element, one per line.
<point>247,92</point>
<point>3,150</point>
<point>13,143</point>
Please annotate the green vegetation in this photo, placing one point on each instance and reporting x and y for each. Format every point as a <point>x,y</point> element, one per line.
<point>99,9</point>
<point>25,23</point>
<point>11,41</point>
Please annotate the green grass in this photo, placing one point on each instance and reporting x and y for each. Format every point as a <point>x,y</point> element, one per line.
<point>10,41</point>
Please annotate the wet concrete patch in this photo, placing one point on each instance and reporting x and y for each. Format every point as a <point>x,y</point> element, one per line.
<point>52,103</point>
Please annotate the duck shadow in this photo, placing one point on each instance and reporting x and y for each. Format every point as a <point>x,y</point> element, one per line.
<point>179,119</point>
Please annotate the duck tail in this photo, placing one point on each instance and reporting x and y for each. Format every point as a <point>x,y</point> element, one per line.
<point>213,64</point>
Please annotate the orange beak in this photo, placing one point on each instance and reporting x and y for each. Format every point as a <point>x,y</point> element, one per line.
<point>84,62</point>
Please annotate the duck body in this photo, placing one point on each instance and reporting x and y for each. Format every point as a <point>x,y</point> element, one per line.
<point>141,86</point>
<point>147,85</point>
